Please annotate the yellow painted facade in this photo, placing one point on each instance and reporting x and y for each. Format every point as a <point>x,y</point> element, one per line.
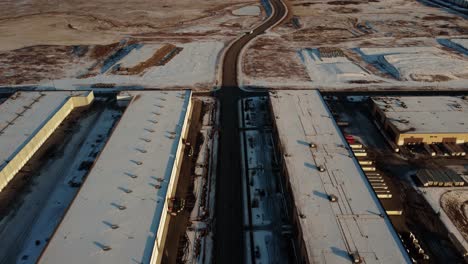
<point>403,138</point>
<point>432,138</point>
<point>161,235</point>
<point>35,142</point>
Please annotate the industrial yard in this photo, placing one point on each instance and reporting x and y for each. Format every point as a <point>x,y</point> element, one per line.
<point>242,131</point>
<point>45,195</point>
<point>429,211</point>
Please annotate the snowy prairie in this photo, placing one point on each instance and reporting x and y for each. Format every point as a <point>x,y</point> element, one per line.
<point>139,55</point>
<point>332,70</point>
<point>425,64</point>
<point>194,66</point>
<point>247,11</point>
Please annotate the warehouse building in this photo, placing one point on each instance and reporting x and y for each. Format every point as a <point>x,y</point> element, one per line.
<point>422,119</point>
<point>27,119</point>
<point>120,214</point>
<point>335,210</point>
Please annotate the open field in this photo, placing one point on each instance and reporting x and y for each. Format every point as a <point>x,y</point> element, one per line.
<point>84,40</point>
<point>74,22</point>
<point>354,25</point>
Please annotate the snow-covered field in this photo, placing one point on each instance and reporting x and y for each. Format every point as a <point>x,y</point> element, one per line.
<point>139,55</point>
<point>433,197</point>
<point>247,11</point>
<point>195,66</point>
<point>422,67</point>
<point>454,204</point>
<point>425,64</point>
<point>332,70</point>
<point>461,42</point>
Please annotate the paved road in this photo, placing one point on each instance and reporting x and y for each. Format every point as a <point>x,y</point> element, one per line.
<point>229,245</point>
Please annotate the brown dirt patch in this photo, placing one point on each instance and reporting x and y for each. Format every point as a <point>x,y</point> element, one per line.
<point>345,10</point>
<point>305,4</point>
<point>438,17</point>
<point>430,78</point>
<point>36,63</point>
<point>344,3</point>
<point>282,62</point>
<point>101,51</point>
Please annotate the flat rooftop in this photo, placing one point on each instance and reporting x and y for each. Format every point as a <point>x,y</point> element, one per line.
<point>425,114</point>
<point>133,170</point>
<point>22,115</point>
<point>331,230</point>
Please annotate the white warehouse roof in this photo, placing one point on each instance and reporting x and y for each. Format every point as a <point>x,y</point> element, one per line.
<point>22,115</point>
<point>143,144</point>
<point>331,230</point>
<point>425,114</point>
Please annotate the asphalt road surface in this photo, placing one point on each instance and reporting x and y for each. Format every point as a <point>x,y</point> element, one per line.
<point>229,241</point>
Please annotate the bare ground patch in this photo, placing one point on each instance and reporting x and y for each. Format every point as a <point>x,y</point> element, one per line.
<point>33,64</point>
<point>268,59</point>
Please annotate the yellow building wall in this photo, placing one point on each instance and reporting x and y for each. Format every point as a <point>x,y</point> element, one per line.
<point>23,156</point>
<point>426,137</point>
<point>432,138</point>
<point>163,228</point>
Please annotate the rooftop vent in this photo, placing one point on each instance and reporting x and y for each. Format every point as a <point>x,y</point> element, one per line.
<point>106,248</point>
<point>133,176</point>
<point>404,121</point>
<point>355,257</point>
<point>332,198</point>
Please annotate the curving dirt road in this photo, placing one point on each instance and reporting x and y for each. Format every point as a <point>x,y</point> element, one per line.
<point>229,242</point>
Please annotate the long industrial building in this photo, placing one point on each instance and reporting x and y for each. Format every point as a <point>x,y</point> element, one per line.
<point>120,213</point>
<point>423,119</point>
<point>338,216</point>
<point>27,119</point>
